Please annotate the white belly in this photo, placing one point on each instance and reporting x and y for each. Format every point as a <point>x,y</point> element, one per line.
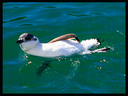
<point>61,48</point>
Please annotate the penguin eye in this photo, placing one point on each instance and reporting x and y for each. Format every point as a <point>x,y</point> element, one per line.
<point>35,39</point>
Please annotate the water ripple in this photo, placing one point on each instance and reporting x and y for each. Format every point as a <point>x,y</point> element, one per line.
<point>15,19</point>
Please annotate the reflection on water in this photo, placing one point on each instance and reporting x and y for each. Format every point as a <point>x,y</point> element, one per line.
<point>42,67</point>
<point>42,63</point>
<point>59,68</point>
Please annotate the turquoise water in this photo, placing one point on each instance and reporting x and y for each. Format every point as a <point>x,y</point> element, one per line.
<point>90,73</point>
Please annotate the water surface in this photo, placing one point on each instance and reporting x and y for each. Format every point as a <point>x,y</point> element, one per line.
<point>92,73</point>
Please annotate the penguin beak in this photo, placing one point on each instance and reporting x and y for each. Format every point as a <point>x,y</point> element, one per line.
<point>19,41</point>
